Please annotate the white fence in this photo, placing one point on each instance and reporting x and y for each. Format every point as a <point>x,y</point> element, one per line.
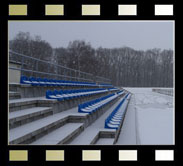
<point>165,91</point>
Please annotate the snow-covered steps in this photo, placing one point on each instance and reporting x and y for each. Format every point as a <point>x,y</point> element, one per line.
<point>62,135</point>
<point>14,95</point>
<point>103,136</point>
<point>91,137</point>
<point>85,138</point>
<point>96,131</point>
<point>30,132</point>
<point>20,104</point>
<point>45,128</point>
<point>25,103</point>
<point>14,87</point>
<point>21,117</point>
<point>105,141</point>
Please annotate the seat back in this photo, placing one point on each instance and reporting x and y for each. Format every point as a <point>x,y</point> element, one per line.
<point>48,93</point>
<point>23,79</point>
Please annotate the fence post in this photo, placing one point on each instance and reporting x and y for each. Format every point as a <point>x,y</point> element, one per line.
<point>37,66</point>
<point>22,62</point>
<point>49,68</point>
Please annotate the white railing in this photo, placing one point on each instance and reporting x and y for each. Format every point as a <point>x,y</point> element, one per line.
<point>165,91</point>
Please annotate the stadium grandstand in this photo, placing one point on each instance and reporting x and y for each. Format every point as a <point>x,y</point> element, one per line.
<point>60,105</point>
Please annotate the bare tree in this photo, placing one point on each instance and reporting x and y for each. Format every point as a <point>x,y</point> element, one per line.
<point>123,66</point>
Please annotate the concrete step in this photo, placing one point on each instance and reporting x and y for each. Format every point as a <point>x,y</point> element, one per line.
<point>62,135</point>
<point>94,136</point>
<point>32,131</point>
<point>25,103</point>
<point>105,141</point>
<point>18,118</point>
<point>14,95</point>
<point>85,138</point>
<point>96,131</point>
<point>14,87</point>
<point>29,133</point>
<point>27,91</point>
<point>20,104</point>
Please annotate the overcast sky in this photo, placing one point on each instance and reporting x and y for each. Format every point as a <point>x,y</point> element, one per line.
<point>137,35</point>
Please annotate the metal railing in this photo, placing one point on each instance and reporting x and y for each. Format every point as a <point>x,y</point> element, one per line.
<point>164,91</point>
<point>30,66</point>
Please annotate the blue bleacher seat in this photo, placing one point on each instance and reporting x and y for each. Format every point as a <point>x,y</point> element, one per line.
<point>114,120</point>
<point>106,85</point>
<point>112,89</point>
<point>94,105</point>
<point>25,80</point>
<point>41,81</point>
<point>70,94</point>
<point>53,82</point>
<point>34,81</point>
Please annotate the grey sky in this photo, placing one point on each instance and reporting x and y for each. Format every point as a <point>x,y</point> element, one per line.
<point>108,34</point>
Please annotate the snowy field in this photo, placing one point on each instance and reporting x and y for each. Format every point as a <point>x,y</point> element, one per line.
<point>149,119</point>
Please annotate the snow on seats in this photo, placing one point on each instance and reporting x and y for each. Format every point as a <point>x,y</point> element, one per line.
<point>75,93</point>
<point>114,120</point>
<point>94,105</point>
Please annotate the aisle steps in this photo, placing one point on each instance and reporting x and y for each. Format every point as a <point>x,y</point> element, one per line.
<point>32,131</point>
<point>61,135</point>
<point>21,117</point>
<point>40,121</point>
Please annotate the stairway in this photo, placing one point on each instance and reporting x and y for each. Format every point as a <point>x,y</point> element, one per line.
<point>62,135</point>
<point>28,123</point>
<point>40,121</point>
<point>18,118</point>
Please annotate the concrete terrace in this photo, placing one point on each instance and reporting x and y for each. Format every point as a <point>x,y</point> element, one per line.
<point>35,120</point>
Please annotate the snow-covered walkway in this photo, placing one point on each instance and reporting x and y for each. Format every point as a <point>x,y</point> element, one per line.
<point>149,119</point>
<point>128,132</point>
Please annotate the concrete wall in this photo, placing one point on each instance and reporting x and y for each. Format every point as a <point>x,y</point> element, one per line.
<point>14,75</point>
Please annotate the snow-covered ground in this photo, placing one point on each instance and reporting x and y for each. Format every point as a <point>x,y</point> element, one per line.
<point>128,132</point>
<point>149,119</point>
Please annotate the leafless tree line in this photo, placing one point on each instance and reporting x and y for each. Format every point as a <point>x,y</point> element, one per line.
<point>123,66</point>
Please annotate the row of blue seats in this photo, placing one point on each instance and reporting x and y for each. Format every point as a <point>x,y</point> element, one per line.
<point>51,82</point>
<point>106,85</point>
<point>114,120</point>
<point>112,89</point>
<point>70,94</point>
<point>94,105</point>
<point>120,92</point>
